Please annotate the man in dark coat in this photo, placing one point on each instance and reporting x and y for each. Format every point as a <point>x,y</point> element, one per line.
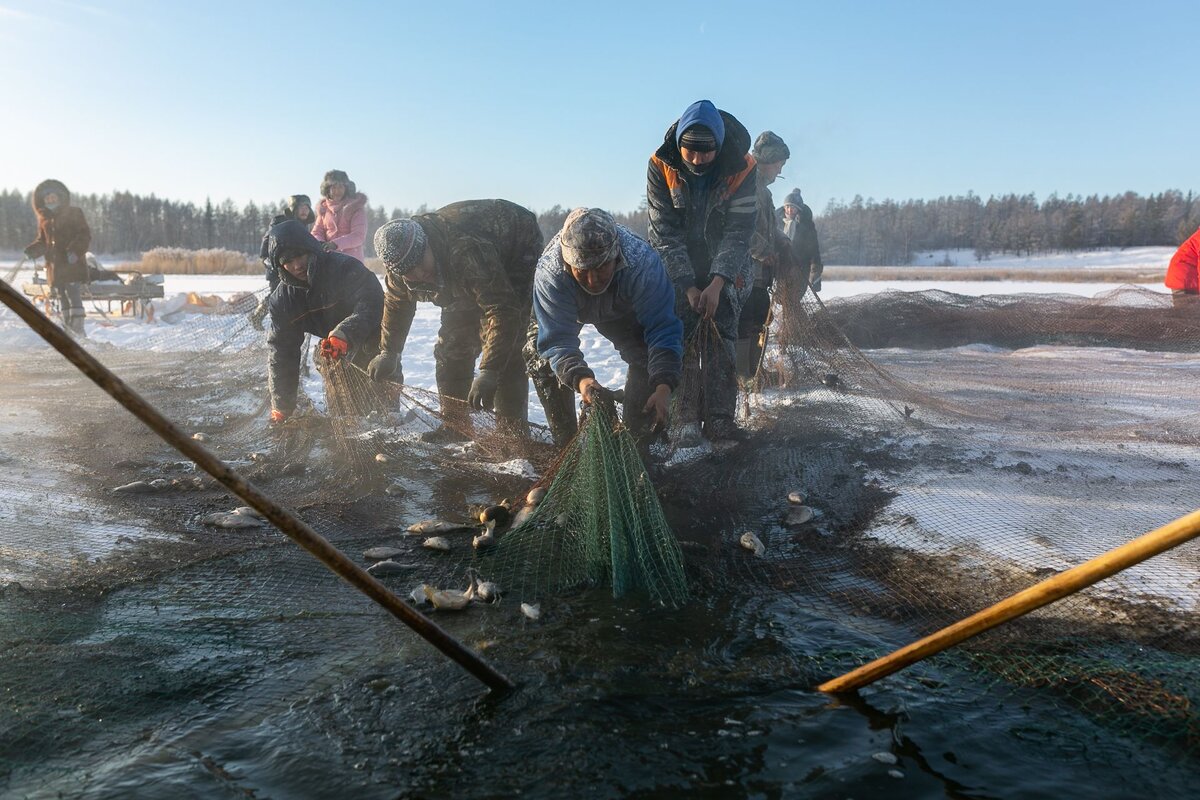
<point>297,207</point>
<point>327,294</point>
<point>474,259</point>
<point>702,208</point>
<point>770,249</point>
<point>63,238</point>
<point>799,227</point>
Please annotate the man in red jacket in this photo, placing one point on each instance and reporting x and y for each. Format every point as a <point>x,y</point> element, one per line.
<point>1183,279</point>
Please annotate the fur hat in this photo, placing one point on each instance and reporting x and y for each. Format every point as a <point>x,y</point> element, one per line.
<point>338,176</point>
<point>295,201</point>
<point>770,149</point>
<point>401,244</point>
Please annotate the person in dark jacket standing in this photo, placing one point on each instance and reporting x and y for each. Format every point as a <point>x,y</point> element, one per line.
<point>327,294</point>
<point>598,272</point>
<point>770,249</point>
<point>474,259</point>
<point>297,207</point>
<point>799,227</point>
<point>702,208</point>
<point>63,239</point>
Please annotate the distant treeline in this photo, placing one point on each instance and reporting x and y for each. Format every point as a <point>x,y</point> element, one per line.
<point>869,232</point>
<point>888,233</point>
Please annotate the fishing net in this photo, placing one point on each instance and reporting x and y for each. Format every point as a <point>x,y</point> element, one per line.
<point>952,450</point>
<point>599,524</point>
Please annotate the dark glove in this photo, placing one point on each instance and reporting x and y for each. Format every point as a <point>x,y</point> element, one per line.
<point>386,366</point>
<point>483,389</point>
<point>329,247</point>
<point>334,347</point>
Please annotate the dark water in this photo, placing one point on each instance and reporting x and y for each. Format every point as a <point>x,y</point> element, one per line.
<point>244,699</point>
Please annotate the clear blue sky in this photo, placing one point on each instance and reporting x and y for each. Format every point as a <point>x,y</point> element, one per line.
<point>563,102</point>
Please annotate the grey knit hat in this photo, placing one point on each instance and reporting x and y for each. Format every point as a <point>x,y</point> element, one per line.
<point>589,238</point>
<point>770,149</point>
<point>401,245</point>
<point>794,199</point>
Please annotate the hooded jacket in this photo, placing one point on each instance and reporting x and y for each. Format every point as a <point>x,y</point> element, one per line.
<point>802,231</point>
<point>729,213</point>
<point>341,297</point>
<point>639,290</point>
<point>289,212</point>
<point>1183,273</point>
<point>63,236</point>
<point>485,253</point>
<point>344,223</point>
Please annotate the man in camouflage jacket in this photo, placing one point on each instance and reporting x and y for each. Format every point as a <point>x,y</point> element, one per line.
<point>475,259</point>
<point>770,249</point>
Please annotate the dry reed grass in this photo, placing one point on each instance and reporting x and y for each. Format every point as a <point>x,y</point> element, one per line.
<point>213,261</point>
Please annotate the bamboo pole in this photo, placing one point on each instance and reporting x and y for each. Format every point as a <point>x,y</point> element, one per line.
<point>1048,591</point>
<point>281,518</point>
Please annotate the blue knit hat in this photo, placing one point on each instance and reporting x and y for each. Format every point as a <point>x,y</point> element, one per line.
<point>704,114</point>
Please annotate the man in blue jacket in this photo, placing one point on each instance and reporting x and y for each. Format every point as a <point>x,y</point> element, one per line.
<point>328,294</point>
<point>600,273</point>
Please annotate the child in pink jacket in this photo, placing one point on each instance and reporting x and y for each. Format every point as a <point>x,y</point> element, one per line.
<point>341,215</point>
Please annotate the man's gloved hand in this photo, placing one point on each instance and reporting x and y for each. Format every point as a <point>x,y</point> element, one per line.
<point>483,389</point>
<point>386,366</point>
<point>328,247</point>
<point>259,314</point>
<point>35,250</point>
<point>277,416</point>
<point>334,347</point>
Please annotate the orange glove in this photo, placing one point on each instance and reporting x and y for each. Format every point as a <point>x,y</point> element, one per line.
<point>333,347</point>
<point>277,416</point>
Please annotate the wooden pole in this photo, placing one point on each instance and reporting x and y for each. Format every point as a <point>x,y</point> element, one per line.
<point>284,520</point>
<point>1048,591</point>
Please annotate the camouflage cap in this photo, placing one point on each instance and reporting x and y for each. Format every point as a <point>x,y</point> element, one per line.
<point>401,245</point>
<point>770,149</point>
<point>589,238</point>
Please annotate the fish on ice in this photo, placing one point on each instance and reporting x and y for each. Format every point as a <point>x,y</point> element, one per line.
<point>753,543</point>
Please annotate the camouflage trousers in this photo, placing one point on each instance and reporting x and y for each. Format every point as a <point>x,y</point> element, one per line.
<point>459,344</point>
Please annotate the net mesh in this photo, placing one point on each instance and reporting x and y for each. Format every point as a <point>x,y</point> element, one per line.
<point>953,450</point>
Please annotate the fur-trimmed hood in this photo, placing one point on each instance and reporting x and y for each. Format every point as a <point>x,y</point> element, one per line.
<point>289,236</point>
<point>46,187</point>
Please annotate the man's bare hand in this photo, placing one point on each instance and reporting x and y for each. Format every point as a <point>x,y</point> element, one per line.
<point>710,298</point>
<point>659,405</point>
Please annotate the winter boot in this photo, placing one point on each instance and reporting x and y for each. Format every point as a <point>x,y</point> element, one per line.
<point>725,429</point>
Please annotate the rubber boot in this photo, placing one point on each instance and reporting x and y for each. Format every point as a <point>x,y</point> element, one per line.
<point>453,384</point>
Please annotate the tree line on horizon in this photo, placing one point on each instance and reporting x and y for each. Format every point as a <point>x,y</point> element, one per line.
<point>861,232</point>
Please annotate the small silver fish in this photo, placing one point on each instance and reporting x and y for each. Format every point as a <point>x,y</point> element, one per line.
<point>159,484</point>
<point>536,495</point>
<point>382,553</point>
<point>436,543</point>
<point>225,519</point>
<point>752,542</point>
<point>798,515</point>
<point>437,526</point>
<point>137,487</point>
<point>487,591</point>
<point>447,599</point>
<point>533,612</point>
<point>382,459</point>
<point>485,539</point>
<point>522,516</point>
<point>417,595</point>
<point>388,567</point>
<point>257,457</point>
<point>200,437</point>
<point>395,489</point>
<point>796,497</point>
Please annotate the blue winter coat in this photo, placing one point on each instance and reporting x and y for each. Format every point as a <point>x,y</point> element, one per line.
<point>341,296</point>
<point>640,290</point>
